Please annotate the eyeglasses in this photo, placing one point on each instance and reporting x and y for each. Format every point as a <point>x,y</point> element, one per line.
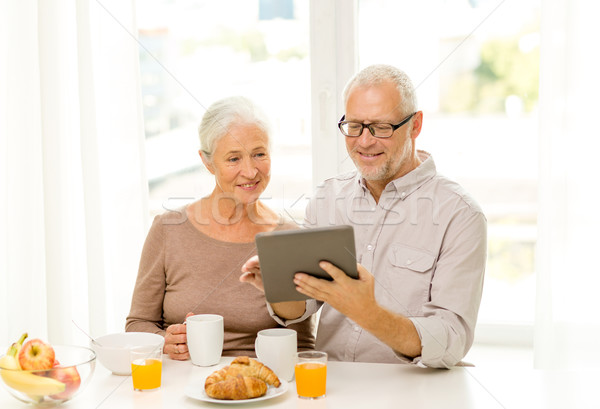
<point>378,130</point>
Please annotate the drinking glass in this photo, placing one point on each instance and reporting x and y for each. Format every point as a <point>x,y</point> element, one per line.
<point>146,367</point>
<point>311,374</point>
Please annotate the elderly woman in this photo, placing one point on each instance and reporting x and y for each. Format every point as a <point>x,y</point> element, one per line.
<point>191,259</point>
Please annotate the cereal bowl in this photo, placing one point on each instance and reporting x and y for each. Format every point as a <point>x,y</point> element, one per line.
<point>113,350</point>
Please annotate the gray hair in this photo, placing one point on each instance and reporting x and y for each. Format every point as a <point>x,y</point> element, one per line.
<point>378,73</point>
<point>225,113</point>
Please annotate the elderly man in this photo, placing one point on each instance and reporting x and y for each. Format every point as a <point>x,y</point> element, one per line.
<point>420,240</point>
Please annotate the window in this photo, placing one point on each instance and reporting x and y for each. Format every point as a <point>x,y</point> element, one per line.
<point>475,65</point>
<point>194,52</point>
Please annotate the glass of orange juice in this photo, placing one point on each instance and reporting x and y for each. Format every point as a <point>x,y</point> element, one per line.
<point>146,367</point>
<point>311,374</point>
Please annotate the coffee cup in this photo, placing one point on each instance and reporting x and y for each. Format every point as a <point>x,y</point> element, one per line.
<point>205,334</point>
<point>276,348</point>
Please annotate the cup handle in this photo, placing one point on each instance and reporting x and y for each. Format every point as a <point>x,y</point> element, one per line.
<point>257,346</point>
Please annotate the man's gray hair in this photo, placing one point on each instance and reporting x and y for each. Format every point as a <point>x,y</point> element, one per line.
<point>225,113</point>
<point>378,73</point>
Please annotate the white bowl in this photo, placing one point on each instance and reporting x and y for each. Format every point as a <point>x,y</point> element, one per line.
<point>113,349</point>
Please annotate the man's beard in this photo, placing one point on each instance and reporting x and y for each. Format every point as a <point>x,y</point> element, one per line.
<point>389,169</point>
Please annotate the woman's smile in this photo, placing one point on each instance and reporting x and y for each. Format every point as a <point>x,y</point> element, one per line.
<point>249,186</point>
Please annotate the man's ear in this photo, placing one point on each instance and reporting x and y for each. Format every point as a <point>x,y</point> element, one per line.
<point>206,162</point>
<point>417,123</point>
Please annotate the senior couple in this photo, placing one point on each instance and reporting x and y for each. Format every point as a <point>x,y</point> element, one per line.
<point>420,241</point>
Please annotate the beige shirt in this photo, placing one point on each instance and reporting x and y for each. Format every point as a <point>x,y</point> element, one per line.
<point>425,243</point>
<point>183,270</point>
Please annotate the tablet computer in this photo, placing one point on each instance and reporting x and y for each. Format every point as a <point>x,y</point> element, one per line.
<point>284,253</point>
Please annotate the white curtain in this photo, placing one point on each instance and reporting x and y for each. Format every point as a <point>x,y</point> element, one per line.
<point>73,197</point>
<point>567,331</point>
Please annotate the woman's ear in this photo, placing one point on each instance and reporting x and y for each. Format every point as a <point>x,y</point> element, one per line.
<point>206,162</point>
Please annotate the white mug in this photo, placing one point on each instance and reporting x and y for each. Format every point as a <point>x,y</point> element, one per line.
<point>276,348</point>
<point>205,338</point>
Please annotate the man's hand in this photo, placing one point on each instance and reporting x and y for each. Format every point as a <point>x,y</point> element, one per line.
<point>176,341</point>
<point>354,298</point>
<point>251,273</point>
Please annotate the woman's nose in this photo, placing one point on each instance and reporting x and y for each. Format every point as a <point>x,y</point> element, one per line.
<point>249,169</point>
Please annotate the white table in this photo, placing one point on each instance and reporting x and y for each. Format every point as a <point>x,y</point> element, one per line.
<point>360,385</point>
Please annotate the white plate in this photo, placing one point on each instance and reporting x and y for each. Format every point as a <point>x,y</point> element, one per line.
<point>195,390</point>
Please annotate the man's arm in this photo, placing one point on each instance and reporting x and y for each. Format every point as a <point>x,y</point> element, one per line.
<point>442,335</point>
<point>355,298</point>
<point>447,323</point>
<point>395,330</point>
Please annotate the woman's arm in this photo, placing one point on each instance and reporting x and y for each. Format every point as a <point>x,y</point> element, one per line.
<point>146,312</point>
<point>289,310</point>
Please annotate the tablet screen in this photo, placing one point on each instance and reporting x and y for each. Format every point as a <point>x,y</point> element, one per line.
<point>282,254</point>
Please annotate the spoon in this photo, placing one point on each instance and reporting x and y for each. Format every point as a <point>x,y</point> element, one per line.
<point>86,334</point>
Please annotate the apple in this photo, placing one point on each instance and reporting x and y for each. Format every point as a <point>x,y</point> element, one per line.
<point>69,376</point>
<point>35,354</point>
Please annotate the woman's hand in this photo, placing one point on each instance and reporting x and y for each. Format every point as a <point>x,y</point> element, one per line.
<point>176,341</point>
<point>251,273</point>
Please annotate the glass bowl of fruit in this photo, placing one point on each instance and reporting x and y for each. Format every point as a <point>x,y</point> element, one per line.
<point>42,374</point>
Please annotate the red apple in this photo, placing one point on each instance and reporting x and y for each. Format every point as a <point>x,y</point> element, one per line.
<point>69,376</point>
<point>35,354</point>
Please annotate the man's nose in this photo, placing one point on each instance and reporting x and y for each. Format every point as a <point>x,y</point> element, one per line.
<point>366,138</point>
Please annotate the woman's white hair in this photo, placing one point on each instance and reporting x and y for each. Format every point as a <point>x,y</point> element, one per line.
<point>378,73</point>
<point>225,113</point>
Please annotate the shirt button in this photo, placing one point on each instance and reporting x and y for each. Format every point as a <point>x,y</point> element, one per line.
<point>403,195</point>
<point>408,262</point>
<point>356,328</point>
<point>369,247</point>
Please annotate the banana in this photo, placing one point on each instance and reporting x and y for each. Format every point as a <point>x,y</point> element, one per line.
<point>14,349</point>
<point>23,381</point>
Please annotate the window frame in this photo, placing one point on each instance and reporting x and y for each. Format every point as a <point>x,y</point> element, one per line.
<point>333,26</point>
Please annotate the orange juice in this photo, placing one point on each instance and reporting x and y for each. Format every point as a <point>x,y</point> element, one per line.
<point>146,373</point>
<point>311,379</point>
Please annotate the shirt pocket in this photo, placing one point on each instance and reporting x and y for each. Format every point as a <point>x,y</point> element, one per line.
<point>410,258</point>
<point>410,277</point>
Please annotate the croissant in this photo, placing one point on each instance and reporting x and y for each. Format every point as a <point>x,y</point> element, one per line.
<point>244,378</point>
<point>251,367</point>
<point>236,388</point>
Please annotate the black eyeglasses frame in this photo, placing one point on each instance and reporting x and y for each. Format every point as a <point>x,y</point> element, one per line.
<point>368,126</point>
